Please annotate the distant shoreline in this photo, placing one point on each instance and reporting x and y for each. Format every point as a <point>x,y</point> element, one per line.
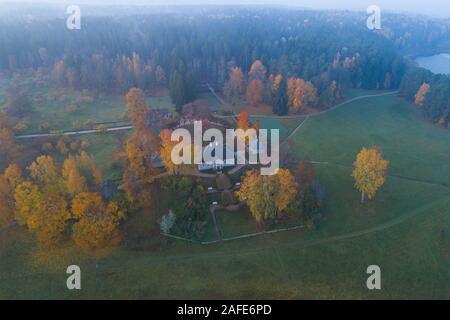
<point>438,63</point>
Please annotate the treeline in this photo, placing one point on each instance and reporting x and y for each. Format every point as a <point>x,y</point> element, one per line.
<point>417,35</point>
<point>147,51</point>
<point>429,91</point>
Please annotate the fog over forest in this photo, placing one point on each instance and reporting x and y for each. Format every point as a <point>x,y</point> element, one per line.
<point>437,8</point>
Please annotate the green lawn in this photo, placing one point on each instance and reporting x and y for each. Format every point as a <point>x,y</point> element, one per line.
<point>213,102</point>
<point>161,102</point>
<point>52,106</point>
<point>54,111</point>
<point>269,124</point>
<point>236,223</point>
<point>405,230</point>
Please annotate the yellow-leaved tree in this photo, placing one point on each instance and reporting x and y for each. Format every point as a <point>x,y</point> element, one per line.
<point>75,182</point>
<point>11,178</point>
<point>46,175</point>
<point>165,151</point>
<point>97,222</point>
<point>267,196</point>
<point>276,83</point>
<point>26,197</point>
<point>48,220</point>
<point>370,172</point>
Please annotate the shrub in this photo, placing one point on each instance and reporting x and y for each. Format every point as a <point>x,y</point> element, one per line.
<point>84,144</point>
<point>167,222</point>
<point>47,147</point>
<point>89,123</point>
<point>72,109</point>
<point>61,146</point>
<point>74,146</point>
<point>102,127</point>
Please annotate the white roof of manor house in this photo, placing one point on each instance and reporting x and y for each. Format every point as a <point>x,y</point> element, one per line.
<point>228,154</point>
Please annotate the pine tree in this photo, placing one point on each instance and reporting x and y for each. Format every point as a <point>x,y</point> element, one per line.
<point>280,102</point>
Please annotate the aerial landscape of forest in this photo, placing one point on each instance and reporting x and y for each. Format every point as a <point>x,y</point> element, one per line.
<point>358,116</point>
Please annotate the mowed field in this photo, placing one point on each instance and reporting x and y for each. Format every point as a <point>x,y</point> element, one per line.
<point>405,230</point>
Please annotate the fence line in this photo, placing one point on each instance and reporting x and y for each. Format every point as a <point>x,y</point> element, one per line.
<point>244,236</point>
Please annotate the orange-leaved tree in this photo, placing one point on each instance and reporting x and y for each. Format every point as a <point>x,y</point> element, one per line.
<point>234,86</point>
<point>136,107</point>
<point>255,91</point>
<point>421,93</point>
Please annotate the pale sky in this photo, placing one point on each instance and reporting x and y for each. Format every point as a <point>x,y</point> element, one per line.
<point>437,8</point>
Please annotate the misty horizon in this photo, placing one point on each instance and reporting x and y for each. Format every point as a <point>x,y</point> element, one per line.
<point>434,8</point>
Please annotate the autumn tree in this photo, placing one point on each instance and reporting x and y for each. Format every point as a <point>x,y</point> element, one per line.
<point>45,214</point>
<point>296,92</point>
<point>257,71</point>
<point>310,94</point>
<point>255,92</point>
<point>74,181</point>
<point>140,148</point>
<point>234,86</point>
<point>62,147</point>
<point>330,94</point>
<point>267,196</point>
<point>244,123</point>
<point>370,172</point>
<point>242,120</point>
<point>48,219</point>
<point>96,222</point>
<point>45,173</point>
<point>276,83</point>
<point>8,149</point>
<point>421,93</point>
<point>136,107</point>
<point>26,198</point>
<point>89,169</point>
<point>165,152</point>
<point>10,179</point>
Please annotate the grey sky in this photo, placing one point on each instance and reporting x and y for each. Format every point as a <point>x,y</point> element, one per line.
<point>438,8</point>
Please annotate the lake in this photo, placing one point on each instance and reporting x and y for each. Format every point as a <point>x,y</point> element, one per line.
<point>439,63</point>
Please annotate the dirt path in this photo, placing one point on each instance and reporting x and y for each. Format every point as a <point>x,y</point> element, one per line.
<point>72,133</point>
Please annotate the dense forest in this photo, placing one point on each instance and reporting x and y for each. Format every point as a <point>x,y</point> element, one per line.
<point>429,91</point>
<point>183,49</point>
<point>145,51</point>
